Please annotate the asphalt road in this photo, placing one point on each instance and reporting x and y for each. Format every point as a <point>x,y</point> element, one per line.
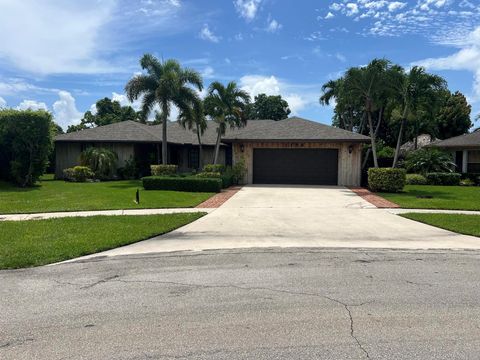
<point>246,304</point>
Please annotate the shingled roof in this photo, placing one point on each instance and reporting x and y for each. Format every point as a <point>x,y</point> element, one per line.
<point>292,129</point>
<point>471,140</point>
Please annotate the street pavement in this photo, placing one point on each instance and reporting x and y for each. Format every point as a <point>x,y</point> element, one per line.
<point>296,303</point>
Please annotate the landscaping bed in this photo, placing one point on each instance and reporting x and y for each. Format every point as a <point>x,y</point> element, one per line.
<point>459,223</point>
<point>40,242</point>
<point>436,197</point>
<point>57,195</point>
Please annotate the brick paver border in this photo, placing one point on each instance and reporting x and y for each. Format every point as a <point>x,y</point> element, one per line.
<point>219,199</point>
<point>376,200</point>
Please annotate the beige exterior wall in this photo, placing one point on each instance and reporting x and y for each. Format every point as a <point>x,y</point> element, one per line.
<point>349,164</point>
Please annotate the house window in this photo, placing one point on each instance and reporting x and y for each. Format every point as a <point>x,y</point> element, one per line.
<point>193,158</point>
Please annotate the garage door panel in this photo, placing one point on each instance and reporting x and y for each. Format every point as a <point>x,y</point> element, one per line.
<point>295,166</point>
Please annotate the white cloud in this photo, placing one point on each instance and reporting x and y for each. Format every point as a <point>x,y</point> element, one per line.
<point>247,8</point>
<point>3,103</point>
<point>352,9</point>
<point>298,97</point>
<point>208,72</point>
<point>467,58</point>
<point>329,15</point>
<point>32,105</point>
<point>65,110</point>
<point>336,6</point>
<point>273,26</point>
<point>396,5</point>
<point>207,34</point>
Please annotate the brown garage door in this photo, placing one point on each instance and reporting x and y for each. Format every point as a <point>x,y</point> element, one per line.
<point>295,166</point>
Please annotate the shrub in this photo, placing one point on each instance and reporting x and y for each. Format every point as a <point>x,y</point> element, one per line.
<point>102,161</point>
<point>429,160</point>
<point>214,168</point>
<point>475,177</point>
<point>209,175</point>
<point>467,182</point>
<point>78,174</point>
<point>416,179</point>
<point>386,179</point>
<point>26,140</point>
<point>129,170</point>
<point>163,170</point>
<point>443,178</point>
<point>189,184</point>
<point>238,171</point>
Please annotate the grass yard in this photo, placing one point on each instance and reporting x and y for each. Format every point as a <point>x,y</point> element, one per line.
<point>40,242</point>
<point>57,195</point>
<point>437,197</point>
<point>459,223</point>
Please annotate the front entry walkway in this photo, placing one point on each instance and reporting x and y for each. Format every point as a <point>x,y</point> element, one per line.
<point>300,216</point>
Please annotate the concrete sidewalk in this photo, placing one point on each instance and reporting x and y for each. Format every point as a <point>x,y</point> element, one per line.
<point>55,215</point>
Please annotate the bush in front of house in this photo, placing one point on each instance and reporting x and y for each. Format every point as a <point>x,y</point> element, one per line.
<point>102,161</point>
<point>209,175</point>
<point>188,184</point>
<point>163,170</point>
<point>428,160</point>
<point>78,174</point>
<point>239,170</point>
<point>214,168</point>
<point>475,177</point>
<point>26,141</point>
<point>439,178</point>
<point>416,179</point>
<point>467,182</point>
<point>386,179</point>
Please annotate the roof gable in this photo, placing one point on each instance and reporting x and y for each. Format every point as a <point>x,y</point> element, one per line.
<point>465,140</point>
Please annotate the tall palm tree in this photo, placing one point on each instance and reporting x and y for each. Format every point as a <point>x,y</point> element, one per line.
<point>368,84</point>
<point>413,89</point>
<point>165,83</point>
<point>226,105</point>
<point>194,117</point>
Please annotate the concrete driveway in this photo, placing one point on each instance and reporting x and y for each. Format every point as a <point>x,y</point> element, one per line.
<point>300,216</point>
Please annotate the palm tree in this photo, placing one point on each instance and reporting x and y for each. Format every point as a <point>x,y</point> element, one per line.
<point>226,105</point>
<point>368,84</point>
<point>165,84</point>
<point>412,89</point>
<point>194,117</point>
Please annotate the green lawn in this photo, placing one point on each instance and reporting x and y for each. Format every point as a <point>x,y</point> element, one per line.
<point>460,223</point>
<point>54,195</point>
<point>40,242</point>
<point>442,197</point>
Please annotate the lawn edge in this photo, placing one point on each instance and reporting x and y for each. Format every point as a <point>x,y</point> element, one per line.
<point>405,216</point>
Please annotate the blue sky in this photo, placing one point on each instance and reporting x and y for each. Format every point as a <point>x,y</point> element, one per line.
<point>65,55</point>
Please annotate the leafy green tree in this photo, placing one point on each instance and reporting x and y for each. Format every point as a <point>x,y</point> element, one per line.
<point>226,105</point>
<point>268,107</point>
<point>453,119</point>
<point>165,84</point>
<point>25,144</point>
<point>369,85</point>
<point>427,160</point>
<point>414,90</point>
<point>194,117</point>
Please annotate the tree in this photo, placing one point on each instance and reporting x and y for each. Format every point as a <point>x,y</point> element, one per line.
<point>369,85</point>
<point>268,107</point>
<point>194,117</point>
<point>107,112</point>
<point>226,106</point>
<point>165,84</point>
<point>414,89</point>
<point>453,119</point>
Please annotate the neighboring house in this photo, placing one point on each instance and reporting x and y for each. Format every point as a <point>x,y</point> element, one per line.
<point>466,151</point>
<point>290,151</point>
<point>418,143</point>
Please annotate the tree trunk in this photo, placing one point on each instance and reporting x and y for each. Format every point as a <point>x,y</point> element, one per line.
<point>164,138</point>
<point>200,150</point>
<point>217,146</point>
<point>373,139</point>
<point>376,134</point>
<point>399,140</point>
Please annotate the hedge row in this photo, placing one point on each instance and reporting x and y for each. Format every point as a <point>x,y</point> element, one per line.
<point>188,184</point>
<point>386,179</point>
<point>443,178</point>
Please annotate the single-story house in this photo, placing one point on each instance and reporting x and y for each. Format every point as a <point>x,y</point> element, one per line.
<point>465,149</point>
<point>290,151</point>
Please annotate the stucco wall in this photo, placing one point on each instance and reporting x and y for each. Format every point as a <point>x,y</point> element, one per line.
<point>349,164</point>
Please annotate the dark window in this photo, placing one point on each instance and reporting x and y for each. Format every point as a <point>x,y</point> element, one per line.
<point>193,158</point>
<point>228,156</point>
